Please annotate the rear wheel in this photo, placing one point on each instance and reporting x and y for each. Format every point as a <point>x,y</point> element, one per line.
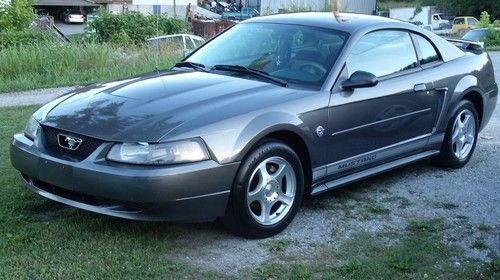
<point>460,138</point>
<point>267,191</point>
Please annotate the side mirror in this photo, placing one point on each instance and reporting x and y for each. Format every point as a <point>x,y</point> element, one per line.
<point>360,79</point>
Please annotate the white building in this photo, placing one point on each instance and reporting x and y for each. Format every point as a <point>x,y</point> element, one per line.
<point>351,6</point>
<point>169,7</point>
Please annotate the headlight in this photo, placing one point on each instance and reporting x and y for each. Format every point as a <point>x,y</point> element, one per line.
<point>159,154</point>
<point>32,129</point>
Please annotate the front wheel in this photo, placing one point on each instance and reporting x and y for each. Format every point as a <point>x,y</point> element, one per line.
<point>460,138</point>
<point>267,192</point>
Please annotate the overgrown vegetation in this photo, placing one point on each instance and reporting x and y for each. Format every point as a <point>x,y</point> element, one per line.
<point>133,27</point>
<point>49,65</point>
<point>451,7</point>
<point>31,58</point>
<point>16,15</point>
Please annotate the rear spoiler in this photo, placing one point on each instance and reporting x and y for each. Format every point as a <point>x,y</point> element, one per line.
<point>467,45</point>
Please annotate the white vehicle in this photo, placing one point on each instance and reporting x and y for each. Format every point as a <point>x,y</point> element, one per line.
<point>428,16</point>
<point>187,42</point>
<point>73,17</point>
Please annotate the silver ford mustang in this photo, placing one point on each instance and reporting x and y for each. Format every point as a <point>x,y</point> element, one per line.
<point>269,111</point>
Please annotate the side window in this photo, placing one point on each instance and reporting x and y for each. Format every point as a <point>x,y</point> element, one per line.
<point>472,21</point>
<point>459,21</point>
<point>189,43</point>
<point>383,53</point>
<point>428,51</point>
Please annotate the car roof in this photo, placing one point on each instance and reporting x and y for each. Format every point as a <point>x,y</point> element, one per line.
<point>347,22</point>
<point>175,35</point>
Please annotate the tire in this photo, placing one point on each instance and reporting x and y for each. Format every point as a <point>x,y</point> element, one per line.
<point>267,191</point>
<point>455,153</point>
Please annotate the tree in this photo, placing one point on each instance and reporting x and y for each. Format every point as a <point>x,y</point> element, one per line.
<point>17,15</point>
<point>484,20</point>
<point>466,7</point>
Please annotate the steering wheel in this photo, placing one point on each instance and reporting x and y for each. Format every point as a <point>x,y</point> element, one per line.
<point>312,68</point>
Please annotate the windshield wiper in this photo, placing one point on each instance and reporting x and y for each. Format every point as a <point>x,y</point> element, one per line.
<point>193,65</point>
<point>246,70</point>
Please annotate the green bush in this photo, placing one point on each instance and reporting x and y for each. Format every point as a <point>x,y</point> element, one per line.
<point>133,27</point>
<point>484,20</point>
<point>11,37</point>
<point>17,15</point>
<point>493,38</point>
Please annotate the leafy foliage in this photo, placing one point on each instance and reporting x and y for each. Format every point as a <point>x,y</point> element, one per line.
<point>493,38</point>
<point>133,27</point>
<point>484,21</point>
<point>451,7</point>
<point>10,38</point>
<point>17,15</point>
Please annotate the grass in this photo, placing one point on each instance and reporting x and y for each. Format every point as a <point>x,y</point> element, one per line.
<point>484,227</point>
<point>279,245</point>
<point>492,48</point>
<point>445,205</point>
<point>53,64</point>
<point>416,254</point>
<point>479,244</point>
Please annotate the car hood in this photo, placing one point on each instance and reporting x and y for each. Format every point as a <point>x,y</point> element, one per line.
<point>146,108</point>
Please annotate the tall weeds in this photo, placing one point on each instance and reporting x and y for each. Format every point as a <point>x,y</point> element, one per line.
<point>53,64</point>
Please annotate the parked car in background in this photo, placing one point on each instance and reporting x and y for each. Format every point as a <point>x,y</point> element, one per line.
<point>423,26</point>
<point>243,14</point>
<point>185,42</point>
<point>476,35</point>
<point>463,24</point>
<point>272,110</point>
<point>73,16</point>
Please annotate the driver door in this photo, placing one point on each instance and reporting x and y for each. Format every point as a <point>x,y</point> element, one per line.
<point>393,119</point>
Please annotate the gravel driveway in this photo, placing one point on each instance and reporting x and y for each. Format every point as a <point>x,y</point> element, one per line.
<point>468,199</point>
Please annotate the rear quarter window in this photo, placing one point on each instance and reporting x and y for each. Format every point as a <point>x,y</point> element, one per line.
<point>427,50</point>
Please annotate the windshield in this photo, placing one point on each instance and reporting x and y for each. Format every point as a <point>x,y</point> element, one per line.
<point>297,54</point>
<point>476,35</point>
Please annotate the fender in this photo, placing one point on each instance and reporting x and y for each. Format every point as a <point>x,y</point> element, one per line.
<point>466,85</point>
<point>266,124</point>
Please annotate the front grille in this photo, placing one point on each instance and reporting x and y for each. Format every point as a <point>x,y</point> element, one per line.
<point>87,147</point>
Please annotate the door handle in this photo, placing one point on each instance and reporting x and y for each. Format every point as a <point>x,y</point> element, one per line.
<point>419,87</point>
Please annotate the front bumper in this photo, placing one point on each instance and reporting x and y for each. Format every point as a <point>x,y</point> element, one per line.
<point>186,192</point>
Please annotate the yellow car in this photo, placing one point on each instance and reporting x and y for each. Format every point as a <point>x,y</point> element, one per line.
<point>463,24</point>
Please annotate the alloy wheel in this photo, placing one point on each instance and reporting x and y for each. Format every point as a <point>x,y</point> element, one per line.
<point>463,134</point>
<point>271,190</point>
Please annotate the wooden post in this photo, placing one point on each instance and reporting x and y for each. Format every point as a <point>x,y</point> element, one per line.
<point>335,5</point>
